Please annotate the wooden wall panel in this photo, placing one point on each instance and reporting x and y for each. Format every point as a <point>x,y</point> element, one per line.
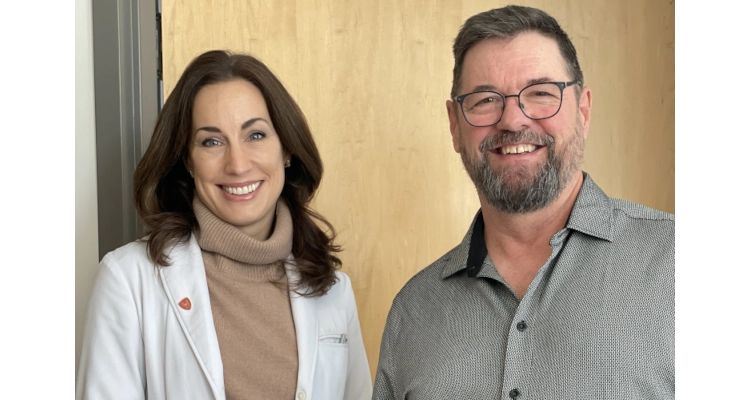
<point>372,78</point>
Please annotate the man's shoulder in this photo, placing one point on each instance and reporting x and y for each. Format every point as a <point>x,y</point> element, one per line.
<point>642,232</point>
<point>616,219</point>
<point>636,211</point>
<point>629,217</point>
<point>428,280</point>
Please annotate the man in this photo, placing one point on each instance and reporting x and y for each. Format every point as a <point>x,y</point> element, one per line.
<point>557,291</point>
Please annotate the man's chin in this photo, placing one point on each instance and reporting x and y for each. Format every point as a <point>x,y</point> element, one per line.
<point>517,176</point>
<point>519,188</point>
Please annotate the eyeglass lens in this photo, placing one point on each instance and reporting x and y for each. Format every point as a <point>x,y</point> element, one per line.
<point>536,101</point>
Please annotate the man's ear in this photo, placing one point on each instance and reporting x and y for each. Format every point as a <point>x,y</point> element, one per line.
<point>453,120</point>
<point>584,110</point>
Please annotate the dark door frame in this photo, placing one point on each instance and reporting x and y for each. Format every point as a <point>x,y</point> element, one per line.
<point>127,96</point>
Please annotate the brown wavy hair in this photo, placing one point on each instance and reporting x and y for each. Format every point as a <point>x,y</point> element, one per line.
<point>164,189</point>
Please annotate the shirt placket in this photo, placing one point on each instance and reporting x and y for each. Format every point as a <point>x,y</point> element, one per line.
<point>519,352</point>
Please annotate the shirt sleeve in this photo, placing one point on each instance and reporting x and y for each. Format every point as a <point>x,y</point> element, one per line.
<point>112,362</point>
<point>384,379</point>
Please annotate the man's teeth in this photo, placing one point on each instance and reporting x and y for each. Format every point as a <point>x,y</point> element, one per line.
<point>517,148</point>
<point>241,190</point>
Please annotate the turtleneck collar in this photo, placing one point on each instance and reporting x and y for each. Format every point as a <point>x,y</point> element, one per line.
<point>218,236</point>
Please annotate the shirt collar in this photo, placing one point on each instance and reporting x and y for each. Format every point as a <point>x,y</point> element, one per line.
<point>592,211</point>
<point>591,215</point>
<point>458,259</point>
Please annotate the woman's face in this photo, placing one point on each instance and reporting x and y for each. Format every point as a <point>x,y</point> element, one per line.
<point>236,156</point>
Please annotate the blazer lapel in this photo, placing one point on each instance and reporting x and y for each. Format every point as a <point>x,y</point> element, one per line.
<point>306,328</point>
<point>186,279</point>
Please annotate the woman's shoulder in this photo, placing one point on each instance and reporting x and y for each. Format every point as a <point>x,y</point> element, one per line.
<point>343,279</point>
<point>135,251</point>
<point>342,287</point>
<point>134,255</point>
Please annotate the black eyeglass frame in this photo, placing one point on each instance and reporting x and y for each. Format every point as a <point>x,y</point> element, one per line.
<point>560,85</point>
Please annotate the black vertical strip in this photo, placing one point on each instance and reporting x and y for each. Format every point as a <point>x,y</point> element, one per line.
<point>477,248</point>
<point>159,65</point>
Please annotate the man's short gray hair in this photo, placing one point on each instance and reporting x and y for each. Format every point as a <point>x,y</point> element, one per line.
<point>507,23</point>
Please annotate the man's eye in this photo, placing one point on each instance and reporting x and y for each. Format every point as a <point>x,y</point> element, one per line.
<point>210,143</point>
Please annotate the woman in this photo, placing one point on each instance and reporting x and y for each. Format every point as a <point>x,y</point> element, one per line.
<point>235,291</point>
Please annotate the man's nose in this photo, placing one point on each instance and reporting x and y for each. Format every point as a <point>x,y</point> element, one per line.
<point>513,118</point>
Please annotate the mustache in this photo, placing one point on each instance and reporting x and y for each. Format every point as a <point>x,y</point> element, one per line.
<point>503,138</point>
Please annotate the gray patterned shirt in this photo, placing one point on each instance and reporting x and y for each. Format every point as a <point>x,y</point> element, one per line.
<point>597,321</point>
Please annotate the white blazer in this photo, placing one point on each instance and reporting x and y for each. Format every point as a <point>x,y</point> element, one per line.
<point>141,343</point>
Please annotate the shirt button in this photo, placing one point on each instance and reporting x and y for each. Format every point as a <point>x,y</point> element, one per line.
<point>514,393</point>
<point>301,395</point>
<point>521,326</point>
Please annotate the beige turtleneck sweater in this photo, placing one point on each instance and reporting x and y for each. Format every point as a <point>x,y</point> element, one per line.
<point>252,314</point>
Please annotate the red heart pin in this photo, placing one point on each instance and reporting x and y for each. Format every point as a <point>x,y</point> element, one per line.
<point>186,304</point>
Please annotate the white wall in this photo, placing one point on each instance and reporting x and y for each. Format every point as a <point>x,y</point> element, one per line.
<point>87,243</point>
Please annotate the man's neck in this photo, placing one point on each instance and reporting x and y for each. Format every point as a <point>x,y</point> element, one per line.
<point>518,244</point>
<point>500,227</point>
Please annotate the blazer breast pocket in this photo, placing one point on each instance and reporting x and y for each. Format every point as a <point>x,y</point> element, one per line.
<point>332,367</point>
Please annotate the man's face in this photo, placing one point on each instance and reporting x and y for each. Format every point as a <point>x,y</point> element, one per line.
<point>520,165</point>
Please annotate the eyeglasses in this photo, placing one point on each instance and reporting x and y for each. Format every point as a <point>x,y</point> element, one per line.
<point>537,101</point>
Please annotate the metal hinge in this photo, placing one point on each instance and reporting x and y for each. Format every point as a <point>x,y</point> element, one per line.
<point>159,67</point>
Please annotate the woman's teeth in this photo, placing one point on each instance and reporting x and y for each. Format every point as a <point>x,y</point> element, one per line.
<point>241,190</point>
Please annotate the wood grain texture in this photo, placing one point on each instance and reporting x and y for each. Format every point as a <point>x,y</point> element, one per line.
<point>372,78</point>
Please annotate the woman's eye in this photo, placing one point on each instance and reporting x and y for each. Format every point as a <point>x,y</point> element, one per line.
<point>257,135</point>
<point>210,143</point>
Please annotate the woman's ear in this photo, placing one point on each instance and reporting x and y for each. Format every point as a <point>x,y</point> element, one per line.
<point>287,157</point>
<point>188,166</point>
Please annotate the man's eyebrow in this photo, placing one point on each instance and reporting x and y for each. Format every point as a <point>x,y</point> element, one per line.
<point>245,125</point>
<point>482,88</point>
<point>538,80</point>
<point>491,88</point>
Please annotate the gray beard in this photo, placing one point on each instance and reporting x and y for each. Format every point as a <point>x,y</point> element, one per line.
<point>520,190</point>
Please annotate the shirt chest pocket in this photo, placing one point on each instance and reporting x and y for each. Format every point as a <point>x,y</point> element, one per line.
<point>332,361</point>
